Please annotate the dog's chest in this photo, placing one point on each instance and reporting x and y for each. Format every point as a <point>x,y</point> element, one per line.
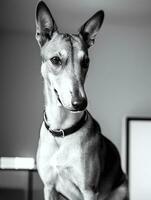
<point>57,159</point>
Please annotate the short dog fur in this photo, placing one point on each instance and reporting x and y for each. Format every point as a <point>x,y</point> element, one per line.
<point>83,165</point>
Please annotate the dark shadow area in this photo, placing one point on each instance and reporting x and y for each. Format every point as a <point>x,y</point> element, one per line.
<point>13,194</point>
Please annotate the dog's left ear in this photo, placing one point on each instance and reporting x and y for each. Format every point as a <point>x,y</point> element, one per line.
<point>45,24</point>
<point>90,29</point>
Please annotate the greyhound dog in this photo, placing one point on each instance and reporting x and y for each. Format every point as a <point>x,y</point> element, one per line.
<point>74,160</point>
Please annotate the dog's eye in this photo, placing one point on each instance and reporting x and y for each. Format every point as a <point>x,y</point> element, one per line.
<point>56,61</point>
<point>85,62</point>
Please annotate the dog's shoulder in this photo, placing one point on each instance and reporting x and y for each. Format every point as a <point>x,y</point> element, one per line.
<point>111,165</point>
<point>111,172</point>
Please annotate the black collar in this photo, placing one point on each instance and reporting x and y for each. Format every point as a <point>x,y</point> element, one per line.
<point>68,131</point>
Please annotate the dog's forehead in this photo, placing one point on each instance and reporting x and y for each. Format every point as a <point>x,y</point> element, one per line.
<point>64,44</point>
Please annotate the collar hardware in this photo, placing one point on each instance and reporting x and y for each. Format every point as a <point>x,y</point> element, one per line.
<point>58,132</point>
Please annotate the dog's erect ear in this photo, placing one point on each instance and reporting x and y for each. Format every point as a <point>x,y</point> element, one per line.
<point>45,24</point>
<point>91,27</point>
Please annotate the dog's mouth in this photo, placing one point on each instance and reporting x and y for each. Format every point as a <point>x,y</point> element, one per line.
<point>76,111</point>
<point>58,98</point>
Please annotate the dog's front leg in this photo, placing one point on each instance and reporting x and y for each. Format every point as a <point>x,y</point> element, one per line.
<point>89,195</point>
<point>50,193</point>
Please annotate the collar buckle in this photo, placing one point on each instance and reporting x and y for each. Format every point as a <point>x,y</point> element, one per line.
<point>57,132</point>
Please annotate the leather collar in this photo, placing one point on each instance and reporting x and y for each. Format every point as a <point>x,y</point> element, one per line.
<point>68,131</point>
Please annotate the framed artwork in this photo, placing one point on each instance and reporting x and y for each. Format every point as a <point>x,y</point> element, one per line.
<point>138,157</point>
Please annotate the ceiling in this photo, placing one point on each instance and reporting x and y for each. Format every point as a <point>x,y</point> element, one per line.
<point>19,15</point>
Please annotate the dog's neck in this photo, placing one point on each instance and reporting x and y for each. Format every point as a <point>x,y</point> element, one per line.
<point>58,117</point>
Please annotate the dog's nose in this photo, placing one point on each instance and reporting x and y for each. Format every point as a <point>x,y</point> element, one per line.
<point>79,104</point>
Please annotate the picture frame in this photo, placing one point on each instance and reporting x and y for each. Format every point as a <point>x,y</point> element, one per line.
<point>138,157</point>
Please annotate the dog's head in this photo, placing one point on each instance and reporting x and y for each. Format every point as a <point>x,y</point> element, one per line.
<point>65,59</point>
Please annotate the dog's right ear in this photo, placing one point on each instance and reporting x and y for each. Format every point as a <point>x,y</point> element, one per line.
<point>45,24</point>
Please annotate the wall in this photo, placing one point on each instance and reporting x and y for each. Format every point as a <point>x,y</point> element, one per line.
<point>119,78</point>
<point>118,85</point>
<point>21,109</point>
<point>21,94</point>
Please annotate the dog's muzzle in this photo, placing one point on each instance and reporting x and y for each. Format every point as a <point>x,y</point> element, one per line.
<point>78,104</point>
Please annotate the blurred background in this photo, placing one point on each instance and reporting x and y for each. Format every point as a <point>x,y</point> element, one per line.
<point>118,82</point>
